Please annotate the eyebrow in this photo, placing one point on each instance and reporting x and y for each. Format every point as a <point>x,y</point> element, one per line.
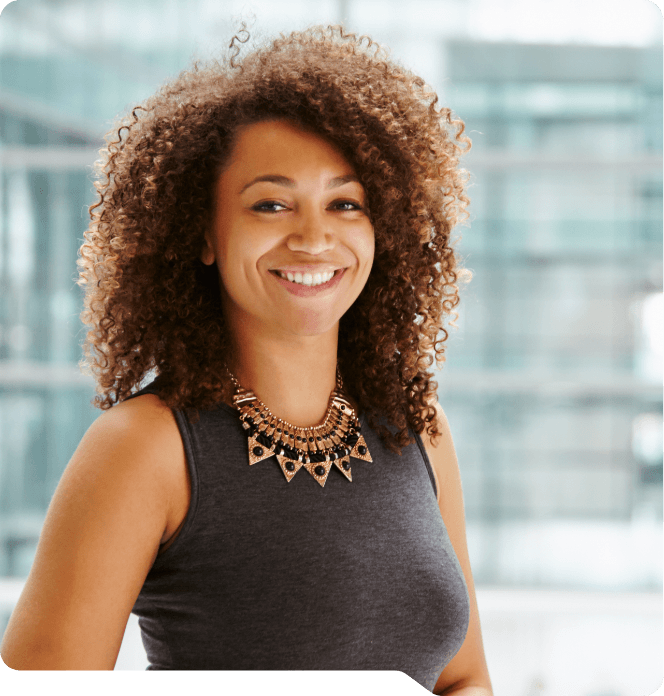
<point>290,183</point>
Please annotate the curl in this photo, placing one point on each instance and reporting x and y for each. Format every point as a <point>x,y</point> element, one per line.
<point>151,306</point>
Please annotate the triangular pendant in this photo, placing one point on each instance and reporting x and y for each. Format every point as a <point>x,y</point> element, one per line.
<point>285,462</point>
<point>344,467</point>
<point>361,451</point>
<point>321,475</point>
<point>258,452</point>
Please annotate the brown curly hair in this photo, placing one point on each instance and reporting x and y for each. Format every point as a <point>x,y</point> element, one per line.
<point>153,307</point>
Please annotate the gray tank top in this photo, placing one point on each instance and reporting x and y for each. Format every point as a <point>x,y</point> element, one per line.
<point>268,574</point>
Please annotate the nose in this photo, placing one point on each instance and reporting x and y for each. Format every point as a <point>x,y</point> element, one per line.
<point>313,234</point>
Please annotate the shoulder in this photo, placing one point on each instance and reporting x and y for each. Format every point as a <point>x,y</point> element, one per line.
<point>440,449</point>
<point>137,439</point>
<point>101,535</point>
<point>142,434</point>
<point>443,427</point>
<point>145,423</point>
<point>148,409</point>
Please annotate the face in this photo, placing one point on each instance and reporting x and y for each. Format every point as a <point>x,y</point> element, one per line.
<point>291,235</point>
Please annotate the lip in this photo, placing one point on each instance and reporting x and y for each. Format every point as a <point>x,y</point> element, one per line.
<point>310,268</point>
<point>305,290</point>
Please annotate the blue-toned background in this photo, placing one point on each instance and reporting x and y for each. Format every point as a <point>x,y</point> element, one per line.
<point>553,384</point>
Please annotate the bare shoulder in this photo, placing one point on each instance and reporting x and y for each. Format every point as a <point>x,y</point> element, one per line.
<point>443,427</point>
<point>147,426</point>
<point>440,450</point>
<point>146,412</point>
<point>144,423</point>
<point>106,521</point>
<point>141,434</point>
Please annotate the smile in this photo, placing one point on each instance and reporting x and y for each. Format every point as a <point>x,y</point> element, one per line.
<point>310,279</point>
<point>308,284</point>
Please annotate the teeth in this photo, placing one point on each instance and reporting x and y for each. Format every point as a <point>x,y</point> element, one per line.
<point>307,278</point>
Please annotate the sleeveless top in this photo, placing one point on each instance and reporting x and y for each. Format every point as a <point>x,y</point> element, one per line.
<point>269,574</point>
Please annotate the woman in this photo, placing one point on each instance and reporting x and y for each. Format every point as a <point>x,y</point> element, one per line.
<point>272,239</point>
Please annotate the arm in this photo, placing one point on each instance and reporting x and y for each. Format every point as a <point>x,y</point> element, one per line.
<point>101,535</point>
<point>467,673</point>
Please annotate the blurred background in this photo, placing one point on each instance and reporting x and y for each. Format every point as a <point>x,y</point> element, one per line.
<point>553,383</point>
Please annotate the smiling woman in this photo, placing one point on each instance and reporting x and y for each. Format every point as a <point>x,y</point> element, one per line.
<point>288,203</point>
<point>272,239</point>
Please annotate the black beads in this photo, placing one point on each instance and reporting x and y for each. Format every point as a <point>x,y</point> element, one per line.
<point>316,447</point>
<point>264,439</point>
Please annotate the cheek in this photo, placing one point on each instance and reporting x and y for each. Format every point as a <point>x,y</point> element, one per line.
<point>372,243</point>
<point>366,247</point>
<point>240,251</point>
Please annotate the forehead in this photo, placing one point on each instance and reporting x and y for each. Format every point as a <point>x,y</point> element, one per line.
<point>281,147</point>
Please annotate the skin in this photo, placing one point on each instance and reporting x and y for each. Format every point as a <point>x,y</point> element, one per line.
<point>285,347</point>
<point>126,491</point>
<point>466,674</point>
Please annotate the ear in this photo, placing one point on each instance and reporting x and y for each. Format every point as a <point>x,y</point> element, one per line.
<point>207,252</point>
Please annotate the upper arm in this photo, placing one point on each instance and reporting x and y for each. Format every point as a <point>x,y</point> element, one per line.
<point>468,666</point>
<point>100,537</point>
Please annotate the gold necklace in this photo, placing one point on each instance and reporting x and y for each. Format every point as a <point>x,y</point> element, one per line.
<point>316,448</point>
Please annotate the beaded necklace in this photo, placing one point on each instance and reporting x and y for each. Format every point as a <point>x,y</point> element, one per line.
<point>316,448</point>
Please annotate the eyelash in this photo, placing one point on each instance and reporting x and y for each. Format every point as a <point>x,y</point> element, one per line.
<point>260,207</point>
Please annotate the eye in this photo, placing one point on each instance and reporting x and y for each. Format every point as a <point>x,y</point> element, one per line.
<point>268,207</point>
<point>346,205</point>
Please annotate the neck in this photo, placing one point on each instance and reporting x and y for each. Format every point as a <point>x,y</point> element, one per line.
<point>292,375</point>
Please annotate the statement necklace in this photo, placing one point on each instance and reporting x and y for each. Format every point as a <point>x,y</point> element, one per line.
<point>316,448</point>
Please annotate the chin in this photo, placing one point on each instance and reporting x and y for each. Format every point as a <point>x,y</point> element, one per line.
<point>313,326</point>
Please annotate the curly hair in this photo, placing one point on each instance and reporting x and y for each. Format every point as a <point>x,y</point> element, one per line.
<point>153,307</point>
